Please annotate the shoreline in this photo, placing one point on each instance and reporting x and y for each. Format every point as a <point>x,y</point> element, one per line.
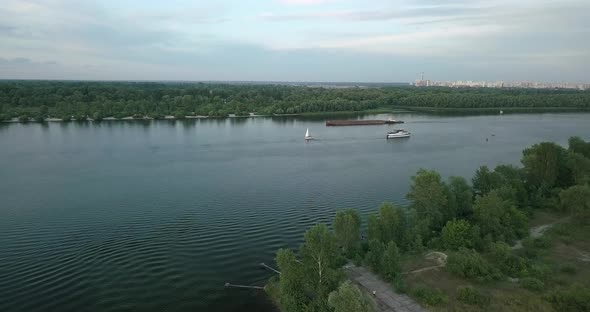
<point>394,110</point>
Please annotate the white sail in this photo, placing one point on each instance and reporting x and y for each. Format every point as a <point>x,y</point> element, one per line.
<point>307,135</point>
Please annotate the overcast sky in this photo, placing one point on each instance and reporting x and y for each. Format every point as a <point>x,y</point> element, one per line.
<point>296,40</point>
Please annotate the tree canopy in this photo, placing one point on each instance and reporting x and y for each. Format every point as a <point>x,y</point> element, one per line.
<point>85,99</point>
<point>347,228</point>
<point>348,298</point>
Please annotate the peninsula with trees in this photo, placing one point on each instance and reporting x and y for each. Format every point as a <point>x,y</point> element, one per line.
<point>25,100</point>
<point>514,239</point>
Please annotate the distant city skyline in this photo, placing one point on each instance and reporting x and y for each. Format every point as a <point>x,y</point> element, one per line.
<point>502,84</point>
<point>296,40</point>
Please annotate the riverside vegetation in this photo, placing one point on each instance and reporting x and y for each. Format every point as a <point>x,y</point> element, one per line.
<point>475,224</point>
<point>39,100</point>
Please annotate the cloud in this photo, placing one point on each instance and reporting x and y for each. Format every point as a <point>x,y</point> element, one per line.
<point>375,15</point>
<point>297,39</point>
<point>303,2</point>
<point>19,61</point>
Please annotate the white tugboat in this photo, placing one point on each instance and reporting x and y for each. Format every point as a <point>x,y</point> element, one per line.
<point>307,135</point>
<point>399,133</point>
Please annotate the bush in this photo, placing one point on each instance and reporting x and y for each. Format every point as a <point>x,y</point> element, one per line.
<point>574,298</point>
<point>390,266</point>
<point>429,296</point>
<point>470,295</point>
<point>357,259</point>
<point>470,264</point>
<point>568,269</point>
<point>504,259</point>
<point>541,242</point>
<point>539,271</point>
<point>374,256</point>
<point>459,233</point>
<point>531,283</point>
<point>399,285</point>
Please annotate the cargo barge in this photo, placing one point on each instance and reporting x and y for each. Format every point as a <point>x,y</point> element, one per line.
<point>361,122</point>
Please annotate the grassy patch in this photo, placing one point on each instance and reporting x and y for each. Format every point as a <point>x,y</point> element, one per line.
<point>556,276</point>
<point>429,296</point>
<point>472,296</point>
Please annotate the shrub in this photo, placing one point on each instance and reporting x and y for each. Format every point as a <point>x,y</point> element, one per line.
<point>568,269</point>
<point>541,242</point>
<point>539,271</point>
<point>399,285</point>
<point>504,259</point>
<point>470,264</point>
<point>472,296</point>
<point>390,266</point>
<point>429,296</point>
<point>457,234</point>
<point>357,259</point>
<point>574,298</point>
<point>375,254</point>
<point>531,283</point>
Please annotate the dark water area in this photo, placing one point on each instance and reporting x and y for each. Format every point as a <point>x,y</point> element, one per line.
<point>157,216</point>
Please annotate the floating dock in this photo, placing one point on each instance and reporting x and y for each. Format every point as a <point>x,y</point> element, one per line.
<point>361,122</point>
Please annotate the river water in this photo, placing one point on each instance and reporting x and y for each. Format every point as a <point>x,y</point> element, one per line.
<point>157,216</point>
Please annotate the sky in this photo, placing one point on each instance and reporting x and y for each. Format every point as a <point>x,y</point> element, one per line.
<point>296,40</point>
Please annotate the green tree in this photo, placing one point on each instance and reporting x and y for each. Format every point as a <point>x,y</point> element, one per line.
<point>577,145</point>
<point>459,233</point>
<point>349,298</point>
<point>429,198</point>
<point>347,228</point>
<point>513,186</point>
<point>373,227</point>
<point>319,254</point>
<point>293,297</point>
<point>579,165</point>
<point>460,197</point>
<point>576,200</point>
<point>390,263</point>
<point>545,167</point>
<point>43,110</point>
<point>485,181</point>
<point>498,218</point>
<point>375,254</point>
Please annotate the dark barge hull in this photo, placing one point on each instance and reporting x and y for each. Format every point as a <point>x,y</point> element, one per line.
<point>361,122</point>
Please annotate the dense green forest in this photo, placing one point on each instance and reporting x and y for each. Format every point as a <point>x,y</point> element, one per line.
<point>475,224</point>
<point>38,100</point>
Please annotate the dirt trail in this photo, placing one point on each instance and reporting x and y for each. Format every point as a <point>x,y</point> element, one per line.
<point>538,231</point>
<point>437,256</point>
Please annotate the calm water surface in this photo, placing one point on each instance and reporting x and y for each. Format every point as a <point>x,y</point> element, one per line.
<point>157,216</point>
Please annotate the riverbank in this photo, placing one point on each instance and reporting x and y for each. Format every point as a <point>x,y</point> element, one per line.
<point>493,110</point>
<point>323,115</point>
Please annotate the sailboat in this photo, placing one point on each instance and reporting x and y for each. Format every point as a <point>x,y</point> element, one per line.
<point>307,135</point>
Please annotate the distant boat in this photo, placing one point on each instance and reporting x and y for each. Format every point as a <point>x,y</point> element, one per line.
<point>399,133</point>
<point>307,135</point>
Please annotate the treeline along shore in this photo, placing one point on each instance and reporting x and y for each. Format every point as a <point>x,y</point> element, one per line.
<point>69,100</point>
<point>488,258</point>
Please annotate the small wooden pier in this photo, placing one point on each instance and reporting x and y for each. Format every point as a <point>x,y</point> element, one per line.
<point>269,268</point>
<point>228,285</point>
